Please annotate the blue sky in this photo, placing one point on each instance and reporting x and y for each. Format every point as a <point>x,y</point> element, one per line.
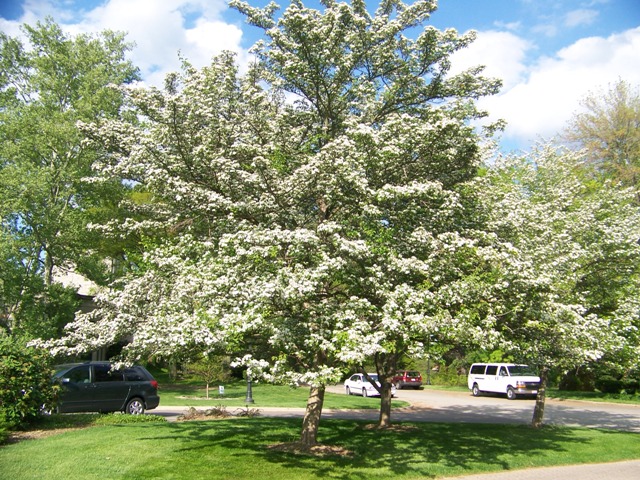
<point>549,53</point>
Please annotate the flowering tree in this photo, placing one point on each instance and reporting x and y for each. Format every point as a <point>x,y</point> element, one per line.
<point>566,252</point>
<point>298,198</point>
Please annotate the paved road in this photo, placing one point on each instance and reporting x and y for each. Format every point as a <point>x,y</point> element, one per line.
<point>444,406</point>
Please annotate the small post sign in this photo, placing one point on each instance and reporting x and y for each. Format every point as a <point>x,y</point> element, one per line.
<point>221,390</point>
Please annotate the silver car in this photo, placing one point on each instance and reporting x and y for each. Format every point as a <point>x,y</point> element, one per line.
<point>357,384</point>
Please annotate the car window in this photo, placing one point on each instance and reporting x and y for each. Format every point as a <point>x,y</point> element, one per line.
<point>503,372</point>
<point>103,373</point>
<point>477,369</point>
<point>492,369</point>
<point>522,370</point>
<point>78,374</point>
<point>133,375</point>
<point>413,374</point>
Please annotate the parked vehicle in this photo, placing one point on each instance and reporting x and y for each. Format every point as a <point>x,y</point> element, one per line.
<point>407,378</point>
<point>508,378</point>
<point>98,387</point>
<point>358,384</point>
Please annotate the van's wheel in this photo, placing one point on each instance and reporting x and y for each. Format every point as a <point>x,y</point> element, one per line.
<point>348,391</point>
<point>135,406</point>
<point>511,393</point>
<point>475,390</point>
<point>364,392</point>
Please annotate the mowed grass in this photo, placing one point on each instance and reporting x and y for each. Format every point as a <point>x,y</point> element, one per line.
<point>239,448</point>
<point>192,393</point>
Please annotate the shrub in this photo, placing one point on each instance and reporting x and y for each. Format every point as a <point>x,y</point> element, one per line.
<point>608,384</point>
<point>631,385</point>
<point>4,431</point>
<point>120,418</point>
<point>447,376</point>
<point>25,382</point>
<point>577,380</point>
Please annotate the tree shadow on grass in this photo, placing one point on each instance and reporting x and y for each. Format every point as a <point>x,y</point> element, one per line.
<point>423,450</point>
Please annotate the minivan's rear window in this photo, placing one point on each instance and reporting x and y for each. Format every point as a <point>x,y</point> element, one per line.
<point>477,369</point>
<point>132,375</point>
<point>104,373</point>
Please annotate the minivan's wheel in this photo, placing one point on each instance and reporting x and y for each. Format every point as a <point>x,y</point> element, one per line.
<point>511,393</point>
<point>348,391</point>
<point>135,406</point>
<point>364,392</point>
<point>475,390</point>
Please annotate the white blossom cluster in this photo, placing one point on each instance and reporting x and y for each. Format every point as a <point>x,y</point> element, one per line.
<point>565,292</point>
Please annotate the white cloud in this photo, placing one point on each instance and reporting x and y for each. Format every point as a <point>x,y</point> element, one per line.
<point>161,30</point>
<point>580,17</point>
<point>539,98</point>
<point>545,29</point>
<point>502,53</point>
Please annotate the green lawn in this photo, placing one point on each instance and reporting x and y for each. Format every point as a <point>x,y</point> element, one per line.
<point>238,448</point>
<point>192,393</point>
<point>594,396</point>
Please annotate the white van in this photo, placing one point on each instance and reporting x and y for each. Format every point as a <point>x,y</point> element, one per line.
<point>506,378</point>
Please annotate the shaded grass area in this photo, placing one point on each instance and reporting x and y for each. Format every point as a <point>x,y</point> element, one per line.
<point>239,449</point>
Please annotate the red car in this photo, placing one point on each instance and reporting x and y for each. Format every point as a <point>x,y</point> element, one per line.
<point>407,378</point>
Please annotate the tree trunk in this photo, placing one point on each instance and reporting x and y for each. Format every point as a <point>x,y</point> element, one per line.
<point>48,268</point>
<point>538,411</point>
<point>384,420</point>
<point>386,365</point>
<point>311,421</point>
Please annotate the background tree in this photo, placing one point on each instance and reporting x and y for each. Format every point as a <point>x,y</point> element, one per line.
<point>46,200</point>
<point>609,129</point>
<point>567,255</point>
<point>211,368</point>
<point>300,196</point>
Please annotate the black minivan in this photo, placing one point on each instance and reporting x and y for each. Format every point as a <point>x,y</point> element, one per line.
<point>98,387</point>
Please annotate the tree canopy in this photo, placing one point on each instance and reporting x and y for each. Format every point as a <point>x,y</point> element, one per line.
<point>46,200</point>
<point>301,195</point>
<point>608,128</point>
<point>567,256</point>
<point>332,206</point>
